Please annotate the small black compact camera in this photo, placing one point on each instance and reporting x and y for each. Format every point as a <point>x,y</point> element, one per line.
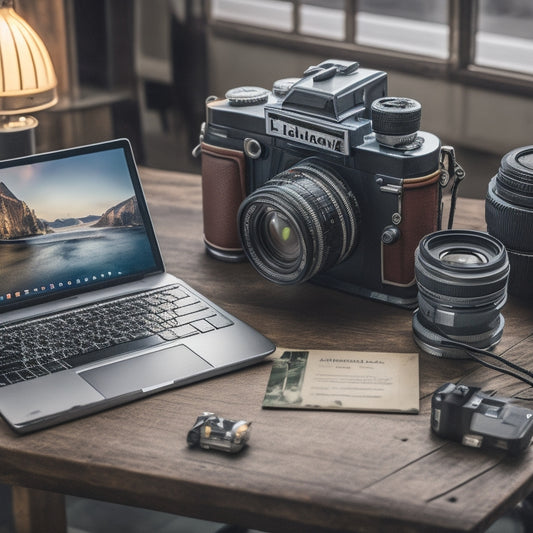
<point>475,419</point>
<point>324,177</point>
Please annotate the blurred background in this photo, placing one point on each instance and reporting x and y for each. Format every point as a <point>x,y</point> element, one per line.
<point>142,68</point>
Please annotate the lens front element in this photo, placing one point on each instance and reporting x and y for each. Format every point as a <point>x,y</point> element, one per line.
<point>463,257</point>
<point>279,237</point>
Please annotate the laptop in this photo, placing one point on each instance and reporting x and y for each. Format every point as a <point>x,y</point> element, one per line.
<point>89,319</point>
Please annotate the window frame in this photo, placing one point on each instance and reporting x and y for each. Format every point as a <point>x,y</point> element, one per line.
<point>458,67</point>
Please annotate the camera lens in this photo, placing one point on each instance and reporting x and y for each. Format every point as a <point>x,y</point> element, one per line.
<point>509,216</point>
<point>462,285</point>
<point>301,222</point>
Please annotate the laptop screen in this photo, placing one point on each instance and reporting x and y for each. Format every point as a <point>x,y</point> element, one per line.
<point>71,221</point>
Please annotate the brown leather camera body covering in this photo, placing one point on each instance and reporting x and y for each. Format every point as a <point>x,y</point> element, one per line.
<point>223,190</point>
<point>420,216</point>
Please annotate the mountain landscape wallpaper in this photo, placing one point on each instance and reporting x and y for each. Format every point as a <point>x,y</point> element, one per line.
<point>18,221</point>
<point>69,222</point>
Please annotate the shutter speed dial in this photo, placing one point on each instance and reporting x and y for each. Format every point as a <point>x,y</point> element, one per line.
<point>396,122</point>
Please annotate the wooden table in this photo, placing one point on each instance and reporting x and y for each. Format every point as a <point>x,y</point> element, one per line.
<point>304,470</point>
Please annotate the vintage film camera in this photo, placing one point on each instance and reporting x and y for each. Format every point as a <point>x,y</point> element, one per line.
<point>324,177</point>
<point>475,419</point>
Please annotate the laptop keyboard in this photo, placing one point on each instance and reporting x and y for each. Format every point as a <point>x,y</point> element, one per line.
<point>68,339</point>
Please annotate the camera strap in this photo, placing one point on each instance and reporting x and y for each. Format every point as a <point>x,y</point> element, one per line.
<point>505,366</point>
<point>450,170</point>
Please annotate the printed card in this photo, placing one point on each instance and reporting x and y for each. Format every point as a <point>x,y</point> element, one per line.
<point>345,380</point>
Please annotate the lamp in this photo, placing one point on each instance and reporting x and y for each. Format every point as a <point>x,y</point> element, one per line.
<point>27,82</point>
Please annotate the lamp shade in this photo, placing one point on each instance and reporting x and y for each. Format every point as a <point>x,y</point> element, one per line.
<point>27,78</point>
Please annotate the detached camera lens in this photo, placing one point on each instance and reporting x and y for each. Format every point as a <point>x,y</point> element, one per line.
<point>509,216</point>
<point>301,222</point>
<point>462,285</point>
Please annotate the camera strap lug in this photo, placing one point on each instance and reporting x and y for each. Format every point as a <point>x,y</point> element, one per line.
<point>197,150</point>
<point>450,170</point>
<point>397,190</point>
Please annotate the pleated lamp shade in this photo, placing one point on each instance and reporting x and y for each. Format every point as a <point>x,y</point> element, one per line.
<point>27,78</point>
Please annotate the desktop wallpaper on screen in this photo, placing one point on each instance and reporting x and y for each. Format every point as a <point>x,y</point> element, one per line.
<point>69,223</point>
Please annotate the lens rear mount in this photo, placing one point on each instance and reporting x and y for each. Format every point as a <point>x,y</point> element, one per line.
<point>433,342</point>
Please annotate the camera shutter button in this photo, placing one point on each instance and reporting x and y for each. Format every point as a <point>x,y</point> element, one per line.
<point>390,235</point>
<point>282,87</point>
<point>247,95</point>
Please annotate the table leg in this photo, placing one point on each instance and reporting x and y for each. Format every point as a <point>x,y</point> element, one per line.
<point>38,511</point>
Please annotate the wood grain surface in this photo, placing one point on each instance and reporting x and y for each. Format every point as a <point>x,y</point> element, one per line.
<point>303,470</point>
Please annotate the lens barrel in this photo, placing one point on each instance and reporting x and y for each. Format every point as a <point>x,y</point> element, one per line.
<point>301,222</point>
<point>462,285</point>
<point>509,216</point>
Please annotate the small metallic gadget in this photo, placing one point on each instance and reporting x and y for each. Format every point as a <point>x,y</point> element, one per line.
<point>509,216</point>
<point>324,178</point>
<point>213,432</point>
<point>462,285</point>
<point>476,419</point>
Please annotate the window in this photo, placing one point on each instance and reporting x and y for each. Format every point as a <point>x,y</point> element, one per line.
<point>323,19</point>
<point>273,14</point>
<point>477,41</point>
<point>504,37</point>
<point>413,26</point>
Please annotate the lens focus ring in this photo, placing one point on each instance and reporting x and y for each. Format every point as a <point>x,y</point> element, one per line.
<point>510,223</point>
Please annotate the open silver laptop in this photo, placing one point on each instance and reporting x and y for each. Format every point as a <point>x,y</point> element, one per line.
<point>89,318</point>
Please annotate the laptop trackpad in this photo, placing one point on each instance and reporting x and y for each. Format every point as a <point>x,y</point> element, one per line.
<point>145,372</point>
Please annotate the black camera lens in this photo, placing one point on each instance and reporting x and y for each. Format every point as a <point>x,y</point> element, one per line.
<point>462,285</point>
<point>509,216</point>
<point>301,222</point>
